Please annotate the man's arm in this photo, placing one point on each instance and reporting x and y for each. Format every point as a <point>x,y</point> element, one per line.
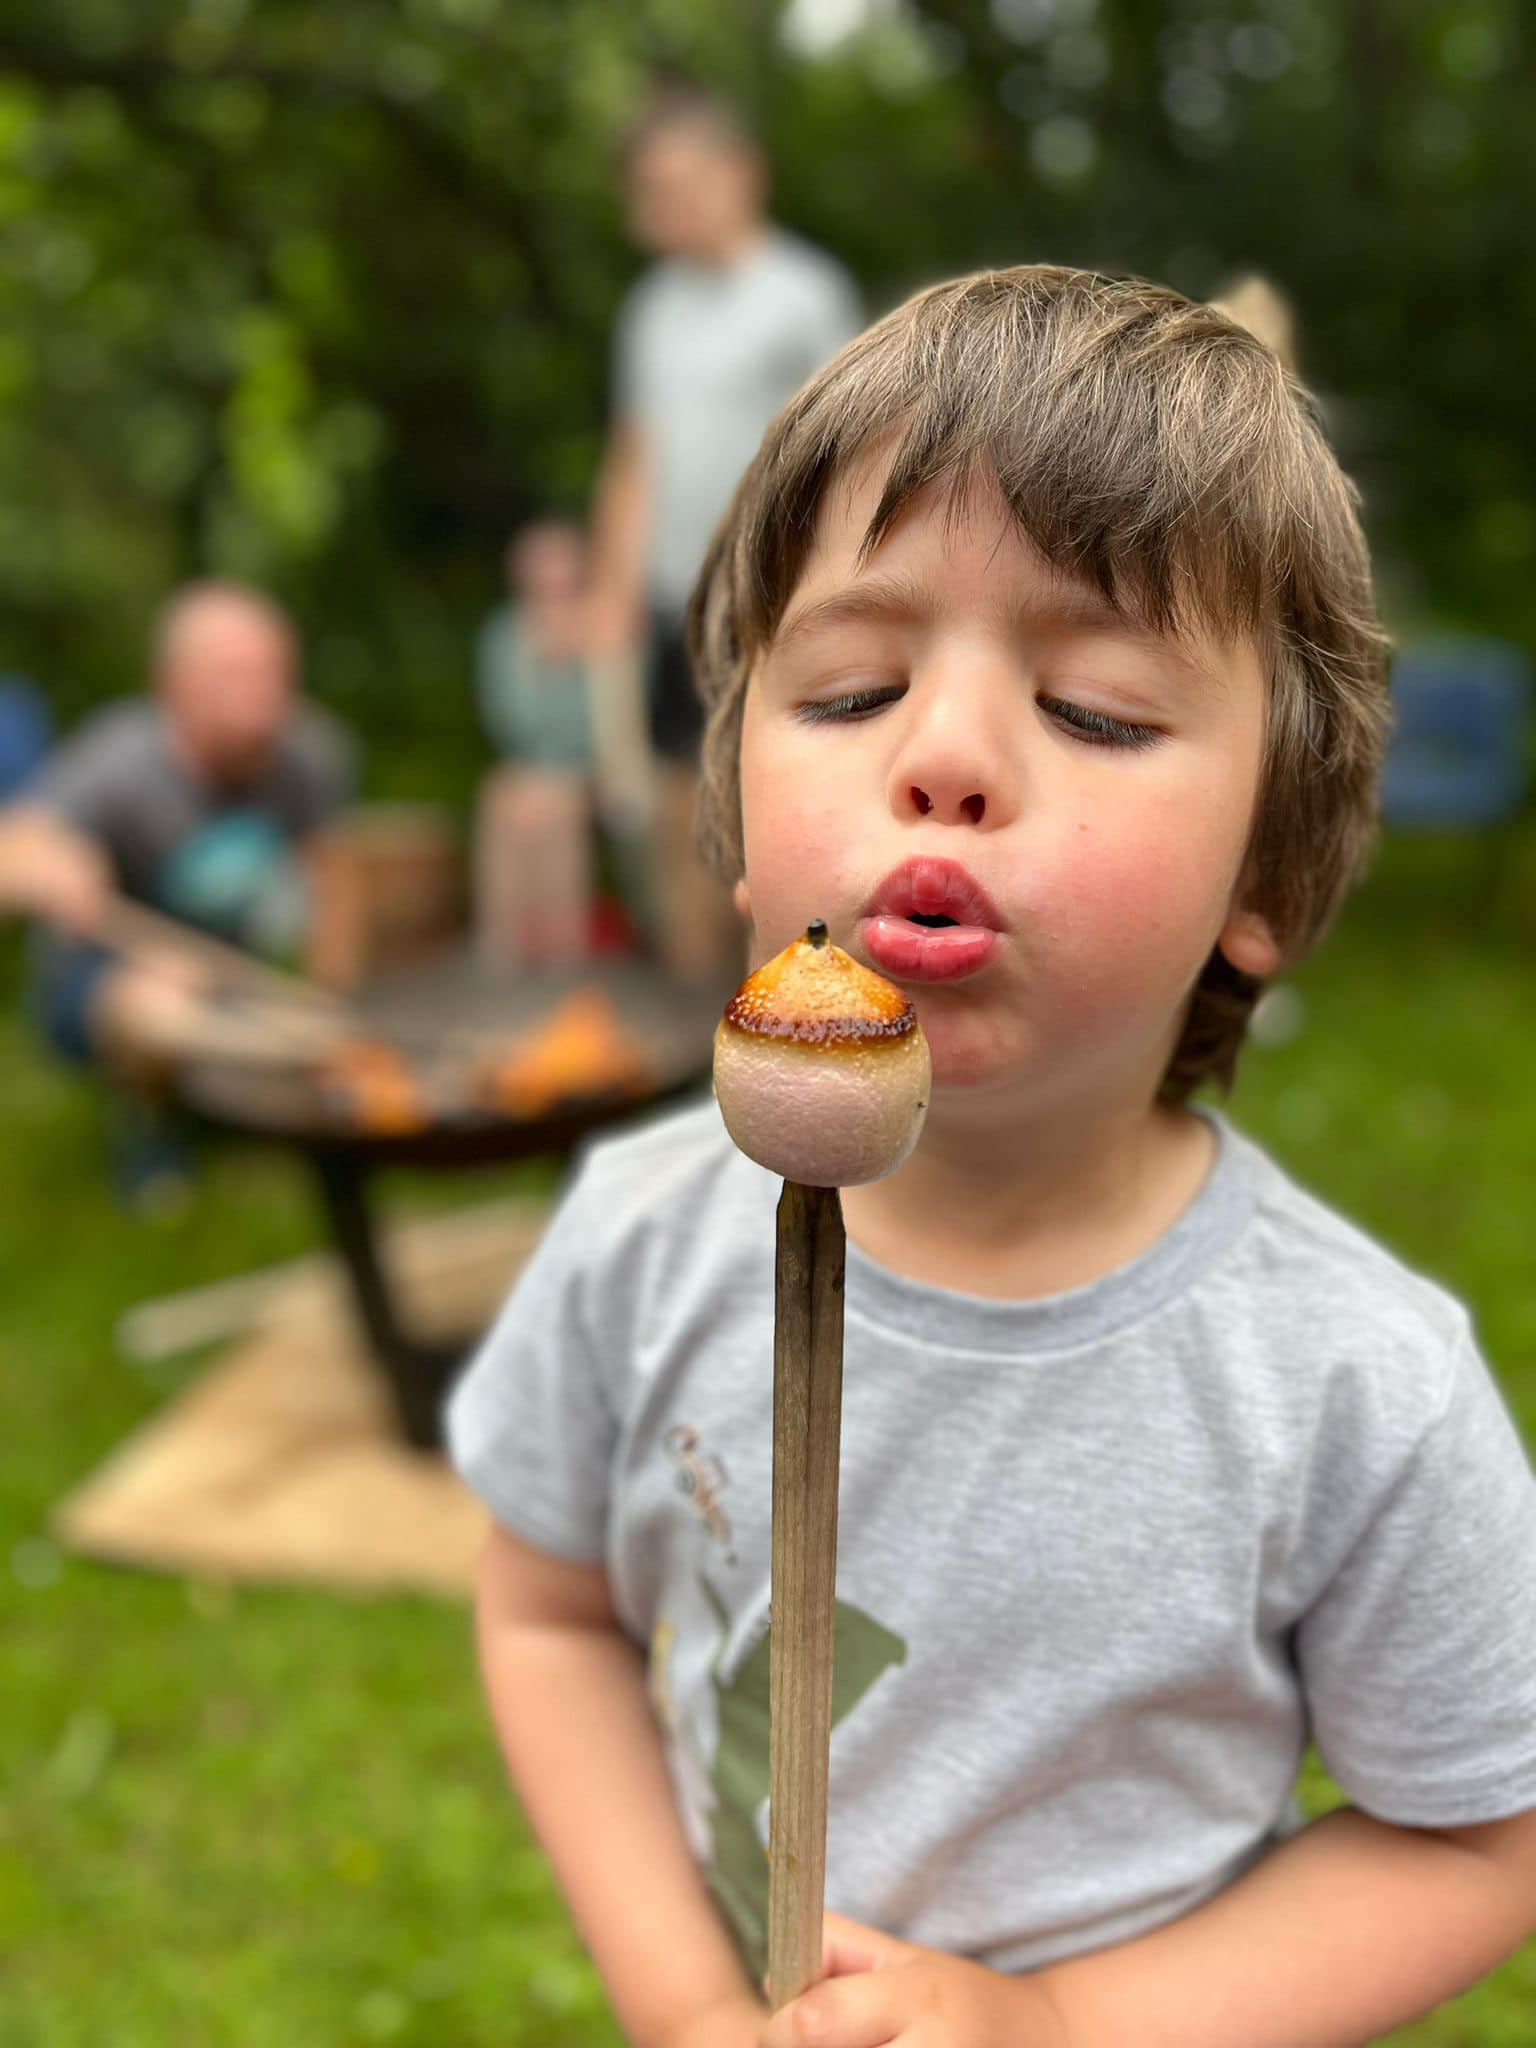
<point>621,511</point>
<point>568,1695</point>
<point>50,869</point>
<point>1349,1929</point>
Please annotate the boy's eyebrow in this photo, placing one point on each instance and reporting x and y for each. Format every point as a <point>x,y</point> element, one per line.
<point>878,600</point>
<point>898,600</point>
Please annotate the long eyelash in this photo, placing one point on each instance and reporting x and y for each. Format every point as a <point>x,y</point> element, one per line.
<point>854,704</point>
<point>1098,727</point>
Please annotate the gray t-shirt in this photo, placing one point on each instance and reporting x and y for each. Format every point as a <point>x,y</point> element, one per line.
<point>202,853</point>
<point>1106,1560</point>
<point>703,359</point>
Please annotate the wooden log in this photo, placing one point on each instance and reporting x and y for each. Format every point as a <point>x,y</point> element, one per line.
<point>170,1324</point>
<point>807,1416</point>
<point>446,1263</point>
<point>132,929</point>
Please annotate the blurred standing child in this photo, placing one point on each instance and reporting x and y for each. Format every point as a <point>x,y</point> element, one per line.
<point>570,756</point>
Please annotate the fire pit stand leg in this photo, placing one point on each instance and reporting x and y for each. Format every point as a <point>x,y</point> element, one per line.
<point>417,1373</point>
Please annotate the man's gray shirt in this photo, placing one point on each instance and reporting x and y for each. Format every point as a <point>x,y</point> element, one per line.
<point>703,360</point>
<point>1107,1560</point>
<point>121,779</point>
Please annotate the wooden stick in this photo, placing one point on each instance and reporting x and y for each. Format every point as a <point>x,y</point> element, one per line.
<point>807,1414</point>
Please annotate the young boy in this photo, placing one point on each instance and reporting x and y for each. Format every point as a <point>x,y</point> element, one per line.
<point>1041,662</point>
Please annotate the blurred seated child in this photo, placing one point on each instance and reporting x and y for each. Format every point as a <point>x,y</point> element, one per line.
<point>572,759</point>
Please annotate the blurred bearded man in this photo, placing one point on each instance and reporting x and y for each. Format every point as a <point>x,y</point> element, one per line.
<point>196,799</point>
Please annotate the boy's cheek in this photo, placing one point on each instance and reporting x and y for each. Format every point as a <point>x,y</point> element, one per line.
<point>795,856</point>
<point>1122,914</point>
<point>1148,878</point>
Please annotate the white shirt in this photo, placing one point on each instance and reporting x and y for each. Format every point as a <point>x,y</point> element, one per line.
<point>704,359</point>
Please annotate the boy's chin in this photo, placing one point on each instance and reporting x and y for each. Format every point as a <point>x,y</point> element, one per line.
<point>967,1061</point>
<point>984,1078</point>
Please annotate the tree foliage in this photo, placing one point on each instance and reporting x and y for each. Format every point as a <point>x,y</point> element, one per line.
<point>321,294</point>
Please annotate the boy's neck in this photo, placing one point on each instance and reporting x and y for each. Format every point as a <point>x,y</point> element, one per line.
<point>1018,1219</point>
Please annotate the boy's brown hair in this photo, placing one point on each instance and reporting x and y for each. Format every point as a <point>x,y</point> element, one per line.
<point>1146,445</point>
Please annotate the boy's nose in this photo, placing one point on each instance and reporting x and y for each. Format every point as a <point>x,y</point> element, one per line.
<point>973,806</point>
<point>956,765</point>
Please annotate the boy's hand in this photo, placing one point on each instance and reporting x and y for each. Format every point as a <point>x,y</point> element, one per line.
<point>736,2024</point>
<point>878,1990</point>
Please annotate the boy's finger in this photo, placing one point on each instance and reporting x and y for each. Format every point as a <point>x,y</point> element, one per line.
<point>848,1948</point>
<point>854,2013</point>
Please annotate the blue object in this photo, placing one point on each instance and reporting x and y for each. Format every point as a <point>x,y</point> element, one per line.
<point>26,733</point>
<point>152,1163</point>
<point>61,987</point>
<point>1458,752</point>
<point>218,876</point>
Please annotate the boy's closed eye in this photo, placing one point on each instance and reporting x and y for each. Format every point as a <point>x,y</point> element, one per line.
<point>849,705</point>
<point>1080,721</point>
<point>1098,728</point>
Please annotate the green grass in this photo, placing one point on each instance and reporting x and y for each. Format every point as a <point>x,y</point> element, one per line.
<point>239,1818</point>
<point>226,1817</point>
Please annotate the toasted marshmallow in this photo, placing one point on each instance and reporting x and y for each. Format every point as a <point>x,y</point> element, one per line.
<point>821,1067</point>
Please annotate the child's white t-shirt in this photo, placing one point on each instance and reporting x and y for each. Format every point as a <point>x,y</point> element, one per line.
<point>1106,1560</point>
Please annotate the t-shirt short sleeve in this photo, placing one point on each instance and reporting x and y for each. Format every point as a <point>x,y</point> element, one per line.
<point>530,1425</point>
<point>833,316</point>
<point>1419,1660</point>
<point>87,779</point>
<point>322,762</point>
<point>626,369</point>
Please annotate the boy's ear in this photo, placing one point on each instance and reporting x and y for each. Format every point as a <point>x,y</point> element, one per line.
<point>1248,943</point>
<point>742,901</point>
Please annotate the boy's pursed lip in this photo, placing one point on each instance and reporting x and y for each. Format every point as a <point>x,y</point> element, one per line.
<point>908,952</point>
<point>901,943</point>
<point>929,886</point>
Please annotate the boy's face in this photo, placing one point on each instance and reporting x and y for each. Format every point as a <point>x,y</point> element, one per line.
<point>953,731</point>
